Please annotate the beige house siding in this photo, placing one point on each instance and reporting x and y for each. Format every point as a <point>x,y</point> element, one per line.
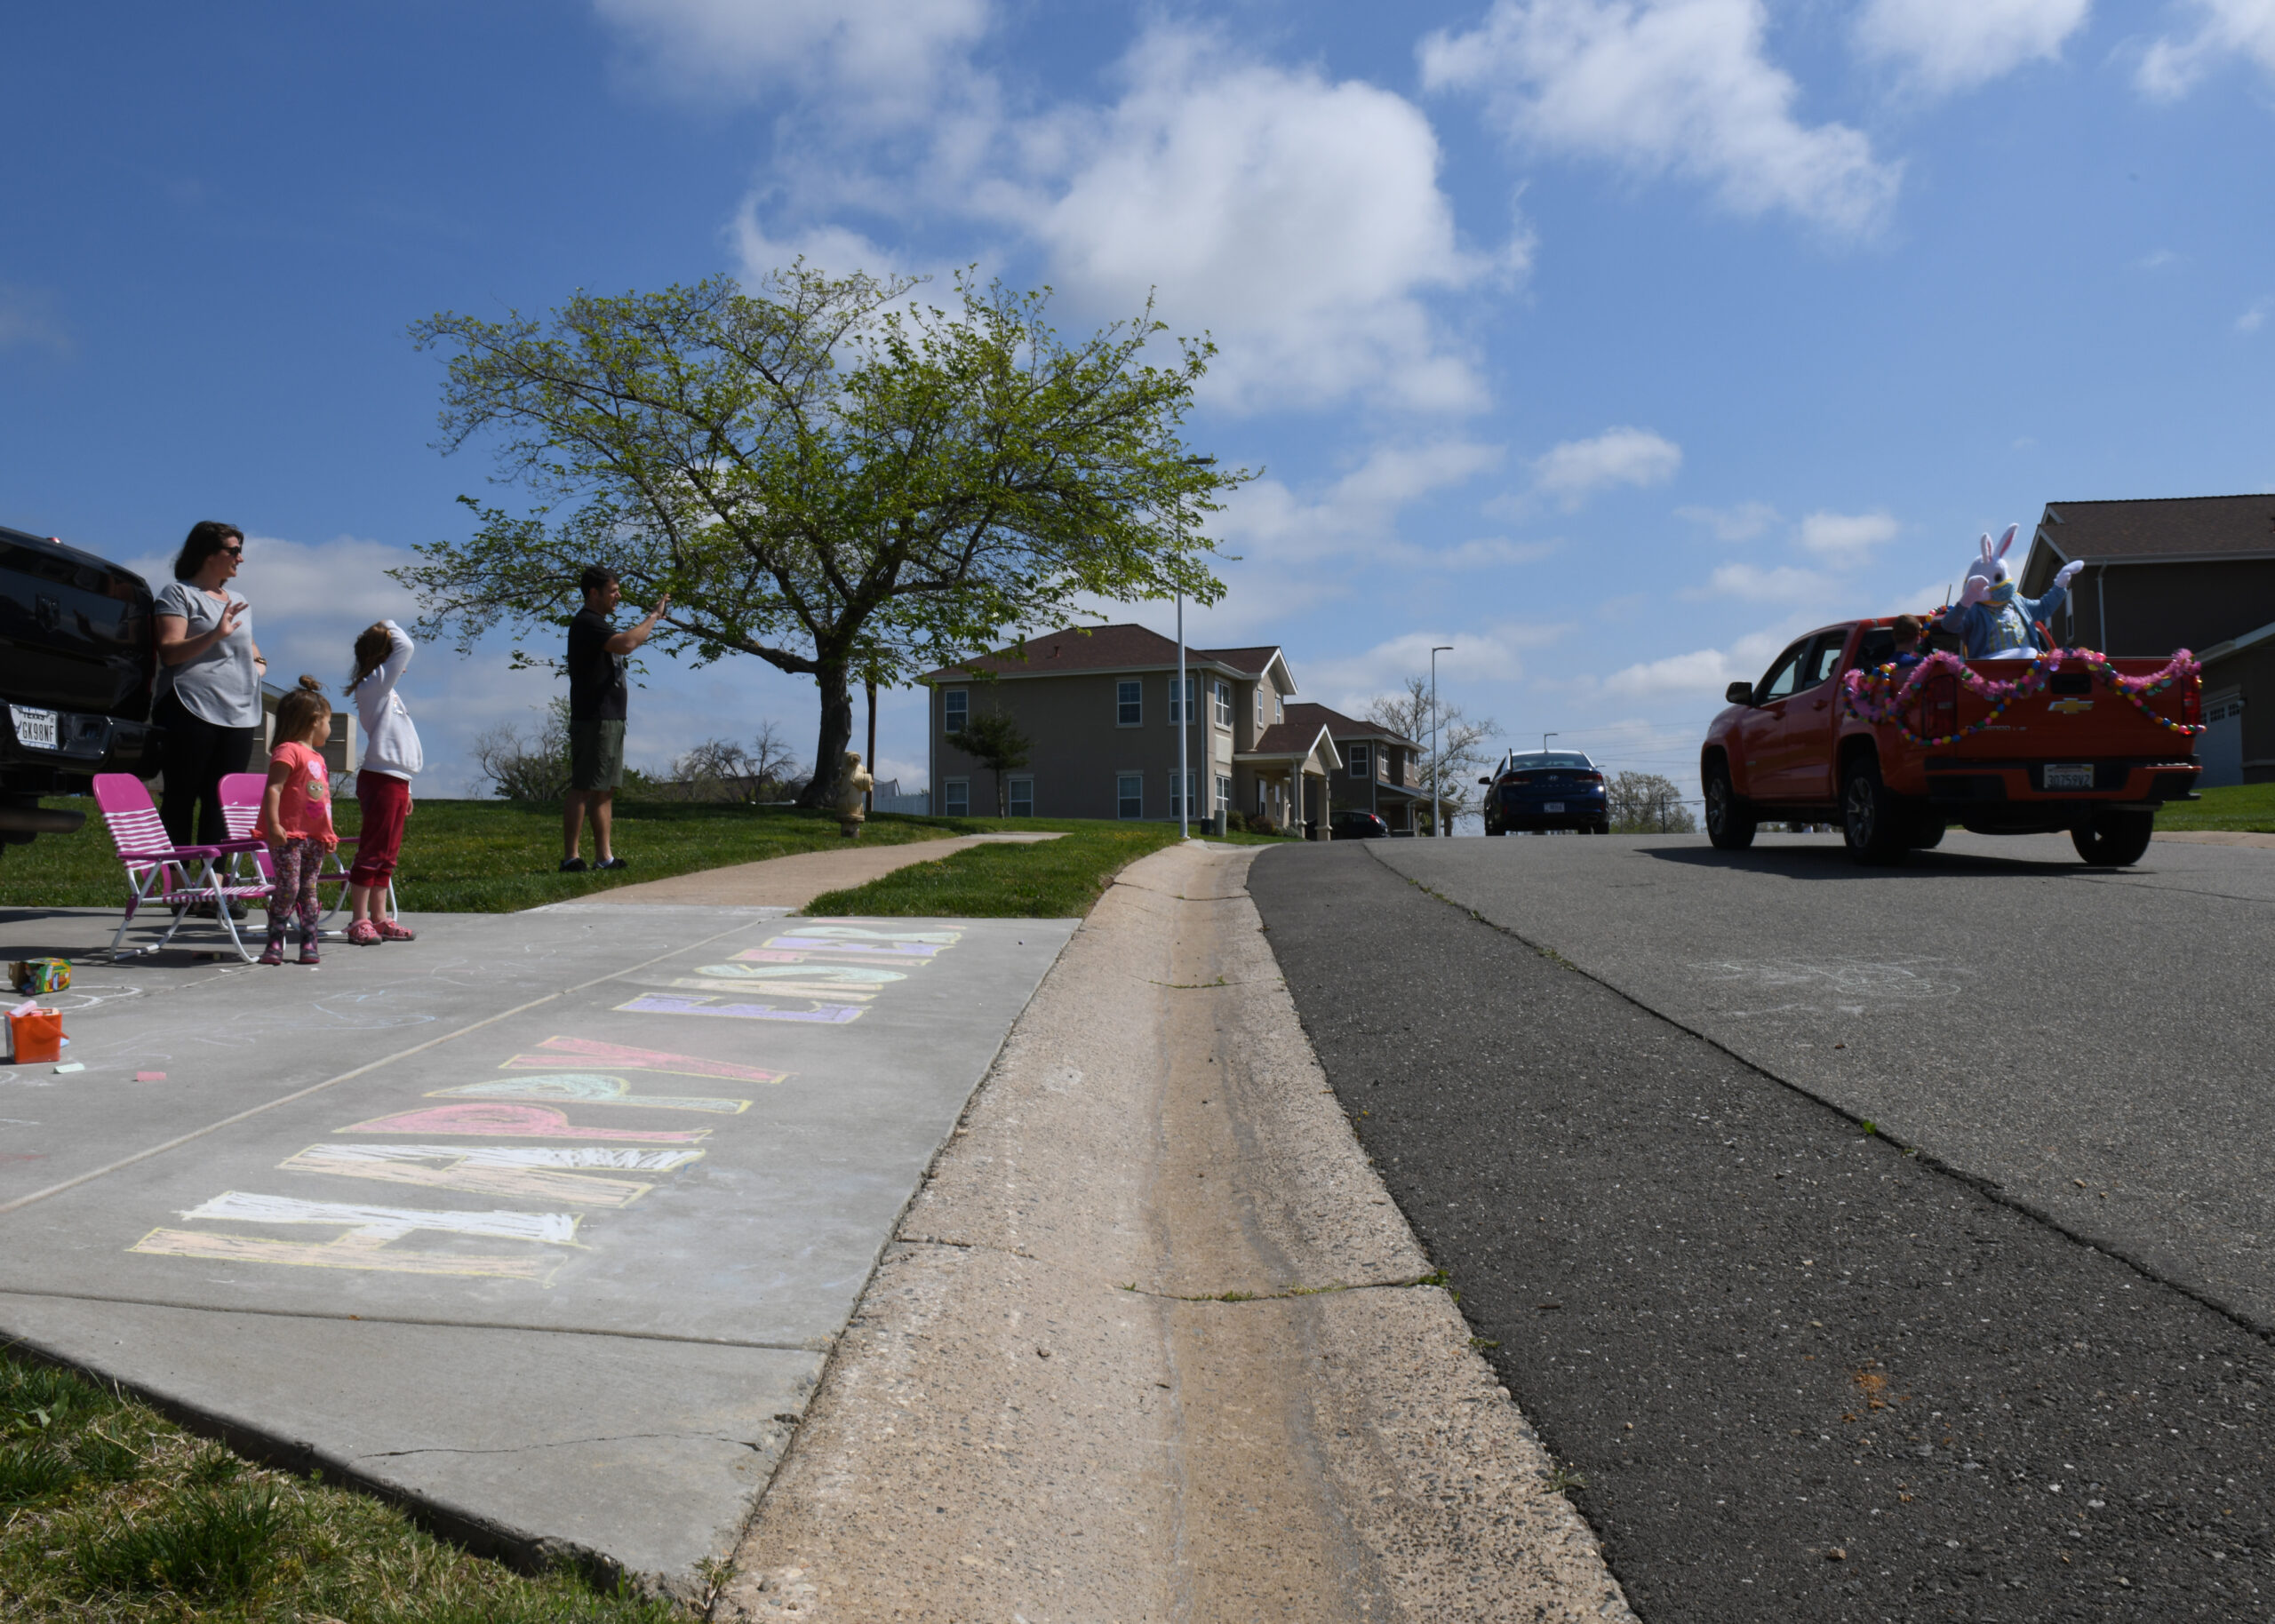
<point>1081,749</point>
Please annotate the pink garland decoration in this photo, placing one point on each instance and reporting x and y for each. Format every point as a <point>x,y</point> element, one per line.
<point>1872,696</point>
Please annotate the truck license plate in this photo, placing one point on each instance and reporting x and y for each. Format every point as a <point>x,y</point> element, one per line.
<point>34,728</point>
<point>1554,806</point>
<point>2067,775</point>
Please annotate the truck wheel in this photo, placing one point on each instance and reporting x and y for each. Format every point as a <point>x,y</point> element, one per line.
<point>2115,839</point>
<point>1927,832</point>
<point>1730,821</point>
<point>1873,825</point>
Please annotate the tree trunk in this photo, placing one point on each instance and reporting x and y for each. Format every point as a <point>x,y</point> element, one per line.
<point>836,734</point>
<point>1003,793</point>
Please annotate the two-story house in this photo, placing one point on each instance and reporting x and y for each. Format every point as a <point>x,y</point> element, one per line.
<point>1381,769</point>
<point>1101,708</point>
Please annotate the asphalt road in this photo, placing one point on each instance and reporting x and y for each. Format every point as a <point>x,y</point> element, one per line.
<point>1798,1371</point>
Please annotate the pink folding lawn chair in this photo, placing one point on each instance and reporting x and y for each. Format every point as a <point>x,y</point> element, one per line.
<point>161,874</point>
<point>241,794</point>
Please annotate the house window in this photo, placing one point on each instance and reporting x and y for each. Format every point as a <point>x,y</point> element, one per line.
<point>1224,792</point>
<point>1128,703</point>
<point>959,798</point>
<point>1279,708</point>
<point>1129,795</point>
<point>1259,707</point>
<point>1262,803</point>
<point>1022,797</point>
<point>1179,796</point>
<point>1360,766</point>
<point>959,709</point>
<point>1224,704</point>
<point>1177,712</point>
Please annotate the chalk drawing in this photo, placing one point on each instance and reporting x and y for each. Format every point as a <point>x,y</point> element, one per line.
<point>588,1088</point>
<point>617,1057</point>
<point>664,1003</point>
<point>368,1243</point>
<point>1843,984</point>
<point>792,989</point>
<point>779,949</point>
<point>543,1173</point>
<point>946,938</point>
<point>846,974</point>
<point>513,1122</point>
<point>394,1222</point>
<point>355,1250</point>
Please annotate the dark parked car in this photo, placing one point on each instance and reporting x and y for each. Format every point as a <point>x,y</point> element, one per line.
<point>1357,826</point>
<point>76,661</point>
<point>1547,789</point>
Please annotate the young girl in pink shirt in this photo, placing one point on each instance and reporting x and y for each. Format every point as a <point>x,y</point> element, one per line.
<point>296,816</point>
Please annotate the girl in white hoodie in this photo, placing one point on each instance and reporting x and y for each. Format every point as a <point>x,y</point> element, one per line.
<point>391,756</point>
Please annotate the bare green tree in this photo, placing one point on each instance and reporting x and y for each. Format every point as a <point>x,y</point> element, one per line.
<point>821,476</point>
<point>994,741</point>
<point>1645,803</point>
<point>1451,779</point>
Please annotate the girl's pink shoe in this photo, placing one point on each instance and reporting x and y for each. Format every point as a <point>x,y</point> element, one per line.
<point>362,933</point>
<point>391,931</point>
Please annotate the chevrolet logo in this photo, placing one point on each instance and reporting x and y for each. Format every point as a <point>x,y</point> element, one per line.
<point>2070,707</point>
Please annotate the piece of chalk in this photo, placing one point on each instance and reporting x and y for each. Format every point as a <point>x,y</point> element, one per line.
<point>73,1066</point>
<point>149,1077</point>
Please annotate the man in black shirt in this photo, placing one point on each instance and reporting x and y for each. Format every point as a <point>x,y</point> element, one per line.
<point>597,694</point>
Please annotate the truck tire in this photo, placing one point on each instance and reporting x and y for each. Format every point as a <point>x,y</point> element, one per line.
<point>1729,820</point>
<point>2115,839</point>
<point>1876,827</point>
<point>1927,831</point>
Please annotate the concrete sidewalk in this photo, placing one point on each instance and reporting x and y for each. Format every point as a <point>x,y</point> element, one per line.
<point>1154,1344</point>
<point>793,881</point>
<point>545,1222</point>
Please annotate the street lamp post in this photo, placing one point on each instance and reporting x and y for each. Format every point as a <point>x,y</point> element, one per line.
<point>1437,762</point>
<point>1183,696</point>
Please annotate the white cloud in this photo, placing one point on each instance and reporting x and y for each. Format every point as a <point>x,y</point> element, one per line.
<point>1298,219</point>
<point>1944,47</point>
<point>1847,540</point>
<point>1491,655</point>
<point>1576,469</point>
<point>2253,319</point>
<point>1783,584</point>
<point>1661,87</point>
<point>891,54</point>
<point>1357,514</point>
<point>30,320</point>
<point>1701,671</point>
<point>1742,522</point>
<point>2171,68</point>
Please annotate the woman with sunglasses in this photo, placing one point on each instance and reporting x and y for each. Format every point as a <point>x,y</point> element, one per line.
<point>209,681</point>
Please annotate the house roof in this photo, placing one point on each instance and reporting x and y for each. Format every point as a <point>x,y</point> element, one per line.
<point>1124,647</point>
<point>1292,740</point>
<point>1342,726</point>
<point>2159,529</point>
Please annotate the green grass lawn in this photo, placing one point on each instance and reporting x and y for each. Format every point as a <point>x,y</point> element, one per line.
<point>109,1511</point>
<point>487,857</point>
<point>1057,878</point>
<point>2238,806</point>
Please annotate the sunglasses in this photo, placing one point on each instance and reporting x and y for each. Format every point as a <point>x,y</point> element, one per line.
<point>233,551</point>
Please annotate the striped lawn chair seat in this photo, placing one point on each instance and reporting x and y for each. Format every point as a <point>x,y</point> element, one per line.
<point>241,794</point>
<point>161,874</point>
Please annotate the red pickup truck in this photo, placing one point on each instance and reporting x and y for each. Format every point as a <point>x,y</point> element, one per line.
<point>2077,755</point>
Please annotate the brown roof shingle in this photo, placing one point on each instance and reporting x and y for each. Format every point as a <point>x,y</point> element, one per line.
<point>1116,647</point>
<point>1341,726</point>
<point>2161,527</point>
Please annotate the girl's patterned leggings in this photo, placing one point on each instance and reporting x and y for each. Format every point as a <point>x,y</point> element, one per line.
<point>297,862</point>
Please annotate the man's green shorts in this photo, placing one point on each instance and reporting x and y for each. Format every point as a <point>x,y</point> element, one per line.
<point>595,756</point>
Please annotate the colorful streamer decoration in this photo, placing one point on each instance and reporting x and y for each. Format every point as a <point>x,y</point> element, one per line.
<point>1875,696</point>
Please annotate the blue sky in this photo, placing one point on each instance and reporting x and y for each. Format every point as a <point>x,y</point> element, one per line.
<point>1611,344</point>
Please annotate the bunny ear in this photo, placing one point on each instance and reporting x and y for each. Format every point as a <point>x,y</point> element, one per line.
<point>2005,541</point>
<point>1985,545</point>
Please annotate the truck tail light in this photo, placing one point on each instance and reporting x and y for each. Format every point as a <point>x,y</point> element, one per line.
<point>2192,702</point>
<point>1939,706</point>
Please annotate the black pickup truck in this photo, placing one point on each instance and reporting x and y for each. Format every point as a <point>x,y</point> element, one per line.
<point>77,658</point>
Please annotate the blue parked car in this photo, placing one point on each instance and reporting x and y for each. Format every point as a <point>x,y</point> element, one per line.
<point>1547,789</point>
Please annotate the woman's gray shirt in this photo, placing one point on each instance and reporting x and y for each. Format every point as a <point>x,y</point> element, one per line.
<point>222,685</point>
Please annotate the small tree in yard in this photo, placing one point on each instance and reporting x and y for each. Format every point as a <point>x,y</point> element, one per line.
<point>1645,803</point>
<point>996,744</point>
<point>1461,745</point>
<point>821,478</point>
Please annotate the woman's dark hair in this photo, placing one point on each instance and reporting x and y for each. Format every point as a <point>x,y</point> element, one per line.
<point>298,711</point>
<point>373,644</point>
<point>207,537</point>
